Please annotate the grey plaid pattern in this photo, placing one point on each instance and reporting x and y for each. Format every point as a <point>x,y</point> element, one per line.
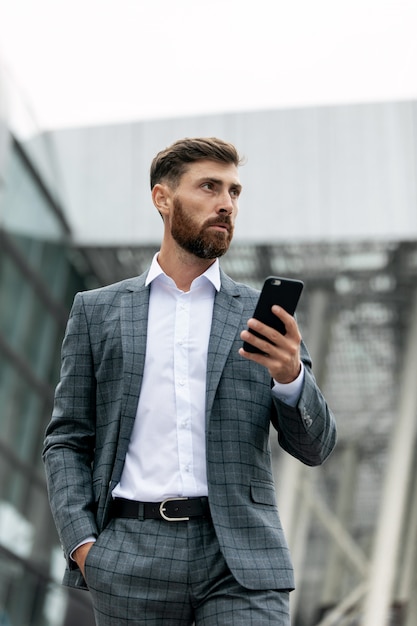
<point>152,572</point>
<point>87,438</point>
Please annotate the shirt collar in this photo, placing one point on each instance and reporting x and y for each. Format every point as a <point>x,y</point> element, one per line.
<point>212,273</point>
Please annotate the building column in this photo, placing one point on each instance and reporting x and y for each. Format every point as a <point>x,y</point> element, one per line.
<point>336,563</point>
<point>406,595</point>
<point>393,503</point>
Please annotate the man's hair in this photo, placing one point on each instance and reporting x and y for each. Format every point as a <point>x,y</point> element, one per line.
<point>170,164</point>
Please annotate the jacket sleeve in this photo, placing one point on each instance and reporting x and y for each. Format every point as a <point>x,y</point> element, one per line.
<point>308,430</point>
<point>70,437</point>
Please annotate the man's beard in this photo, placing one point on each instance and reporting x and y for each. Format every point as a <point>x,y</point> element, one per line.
<point>204,243</point>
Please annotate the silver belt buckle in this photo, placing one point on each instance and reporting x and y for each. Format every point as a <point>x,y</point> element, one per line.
<point>171,519</point>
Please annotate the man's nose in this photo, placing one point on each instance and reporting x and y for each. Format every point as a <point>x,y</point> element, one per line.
<point>226,204</point>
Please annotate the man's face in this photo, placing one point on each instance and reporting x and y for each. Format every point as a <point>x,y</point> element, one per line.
<point>205,205</point>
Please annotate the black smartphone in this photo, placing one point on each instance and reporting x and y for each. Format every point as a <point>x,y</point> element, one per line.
<point>286,293</point>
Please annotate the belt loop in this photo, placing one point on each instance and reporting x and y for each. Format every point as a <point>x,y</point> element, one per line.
<point>141,511</point>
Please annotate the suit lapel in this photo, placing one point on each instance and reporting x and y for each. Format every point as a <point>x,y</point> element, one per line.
<point>134,323</point>
<point>226,324</point>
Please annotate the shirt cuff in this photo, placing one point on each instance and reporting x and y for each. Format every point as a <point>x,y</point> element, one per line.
<point>289,392</point>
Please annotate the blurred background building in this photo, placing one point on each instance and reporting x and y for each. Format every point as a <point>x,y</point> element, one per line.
<point>330,196</point>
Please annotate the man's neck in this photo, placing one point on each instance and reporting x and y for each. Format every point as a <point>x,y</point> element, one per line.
<point>183,268</point>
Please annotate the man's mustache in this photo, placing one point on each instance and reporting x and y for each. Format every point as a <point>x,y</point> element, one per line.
<point>221,220</point>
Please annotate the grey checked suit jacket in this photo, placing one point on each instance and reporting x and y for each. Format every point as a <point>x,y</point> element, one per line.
<point>86,441</point>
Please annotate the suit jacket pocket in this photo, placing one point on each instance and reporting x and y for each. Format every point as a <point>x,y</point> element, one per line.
<point>263,492</point>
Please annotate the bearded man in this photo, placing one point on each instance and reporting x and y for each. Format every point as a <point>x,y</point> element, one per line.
<point>157,454</point>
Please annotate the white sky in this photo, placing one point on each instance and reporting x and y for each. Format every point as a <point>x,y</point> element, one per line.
<point>96,61</point>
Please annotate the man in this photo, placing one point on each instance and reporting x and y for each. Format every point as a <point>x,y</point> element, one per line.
<point>157,455</point>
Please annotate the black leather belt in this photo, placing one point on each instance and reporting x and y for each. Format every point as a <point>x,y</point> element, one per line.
<point>170,510</point>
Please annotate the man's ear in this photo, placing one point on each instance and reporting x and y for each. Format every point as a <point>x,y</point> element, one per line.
<point>161,197</point>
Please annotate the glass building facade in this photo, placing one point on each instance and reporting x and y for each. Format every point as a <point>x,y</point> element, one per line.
<point>38,280</point>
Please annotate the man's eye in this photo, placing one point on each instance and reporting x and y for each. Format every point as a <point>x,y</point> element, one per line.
<point>235,193</point>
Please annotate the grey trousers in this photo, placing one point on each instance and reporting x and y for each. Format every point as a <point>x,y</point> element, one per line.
<point>172,574</point>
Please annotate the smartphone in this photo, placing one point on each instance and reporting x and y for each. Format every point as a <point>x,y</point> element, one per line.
<point>286,293</point>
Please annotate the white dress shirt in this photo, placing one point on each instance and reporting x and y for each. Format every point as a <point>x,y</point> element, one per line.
<point>167,453</point>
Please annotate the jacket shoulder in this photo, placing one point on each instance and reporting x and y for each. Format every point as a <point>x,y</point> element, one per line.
<point>109,292</point>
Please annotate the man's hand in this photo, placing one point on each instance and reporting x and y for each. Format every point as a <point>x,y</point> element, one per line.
<point>80,555</point>
<point>282,356</point>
